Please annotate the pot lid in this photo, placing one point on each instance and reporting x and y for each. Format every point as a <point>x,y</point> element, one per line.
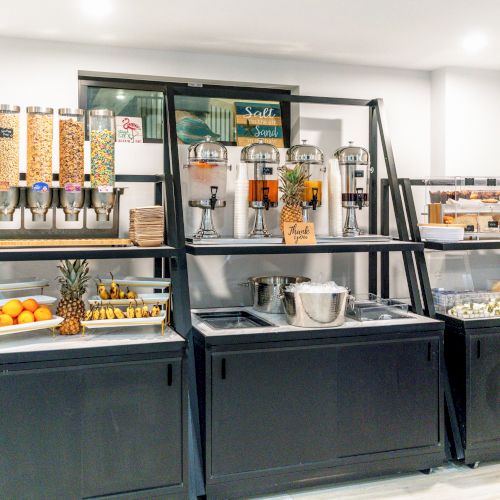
<point>71,112</point>
<point>301,153</point>
<point>103,113</point>
<point>207,150</point>
<point>9,108</point>
<point>39,110</point>
<point>260,152</point>
<point>354,155</point>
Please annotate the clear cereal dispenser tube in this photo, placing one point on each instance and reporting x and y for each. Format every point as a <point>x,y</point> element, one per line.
<point>9,146</point>
<point>71,145</point>
<point>102,149</point>
<point>39,142</point>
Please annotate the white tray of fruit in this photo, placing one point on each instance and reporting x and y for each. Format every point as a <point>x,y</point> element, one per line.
<point>22,284</point>
<point>42,300</point>
<point>26,316</point>
<point>142,298</point>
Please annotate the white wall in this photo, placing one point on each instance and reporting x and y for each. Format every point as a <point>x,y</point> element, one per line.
<point>40,73</point>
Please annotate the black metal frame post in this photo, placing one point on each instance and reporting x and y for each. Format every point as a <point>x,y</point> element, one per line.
<point>373,213</point>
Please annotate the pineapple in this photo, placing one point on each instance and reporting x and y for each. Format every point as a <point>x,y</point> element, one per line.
<point>292,189</point>
<point>71,307</point>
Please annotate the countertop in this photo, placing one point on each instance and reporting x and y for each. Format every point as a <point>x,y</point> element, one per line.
<point>284,331</point>
<point>41,345</point>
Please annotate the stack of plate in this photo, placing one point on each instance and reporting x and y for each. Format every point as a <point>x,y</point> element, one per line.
<point>147,226</point>
<point>441,232</point>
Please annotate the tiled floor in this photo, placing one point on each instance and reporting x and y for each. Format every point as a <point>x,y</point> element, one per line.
<point>453,482</point>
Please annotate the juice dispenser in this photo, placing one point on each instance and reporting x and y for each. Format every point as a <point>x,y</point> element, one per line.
<point>355,170</point>
<point>313,160</point>
<point>262,161</point>
<point>207,179</point>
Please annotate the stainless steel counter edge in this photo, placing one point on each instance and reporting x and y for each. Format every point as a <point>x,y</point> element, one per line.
<point>284,331</point>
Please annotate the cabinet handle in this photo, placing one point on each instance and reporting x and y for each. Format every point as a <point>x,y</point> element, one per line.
<point>223,369</point>
<point>429,351</point>
<point>478,349</point>
<point>169,374</point>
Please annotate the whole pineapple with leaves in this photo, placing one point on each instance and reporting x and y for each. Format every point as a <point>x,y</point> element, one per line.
<point>71,307</point>
<point>292,189</point>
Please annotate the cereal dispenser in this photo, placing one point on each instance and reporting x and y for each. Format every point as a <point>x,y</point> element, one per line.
<point>262,161</point>
<point>39,161</point>
<point>71,167</point>
<point>102,161</point>
<point>355,170</point>
<point>9,160</point>
<point>313,159</point>
<point>207,178</point>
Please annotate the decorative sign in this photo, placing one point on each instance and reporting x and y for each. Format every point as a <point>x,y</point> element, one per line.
<point>258,120</point>
<point>299,233</point>
<point>128,129</point>
<point>40,187</point>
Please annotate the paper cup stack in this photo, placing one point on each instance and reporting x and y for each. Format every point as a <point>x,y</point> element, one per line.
<point>240,219</point>
<point>147,226</point>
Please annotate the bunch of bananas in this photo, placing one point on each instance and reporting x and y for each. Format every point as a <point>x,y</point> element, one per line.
<point>134,310</point>
<point>114,292</point>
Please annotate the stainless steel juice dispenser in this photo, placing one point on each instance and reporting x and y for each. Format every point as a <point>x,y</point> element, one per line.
<point>314,162</point>
<point>355,170</point>
<point>262,161</point>
<point>207,180</point>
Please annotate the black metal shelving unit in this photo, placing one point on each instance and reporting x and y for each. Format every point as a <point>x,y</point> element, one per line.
<point>472,352</point>
<point>378,130</point>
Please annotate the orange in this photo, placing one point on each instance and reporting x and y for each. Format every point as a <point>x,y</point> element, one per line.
<point>13,308</point>
<point>30,305</point>
<point>43,314</point>
<point>26,317</point>
<point>6,320</point>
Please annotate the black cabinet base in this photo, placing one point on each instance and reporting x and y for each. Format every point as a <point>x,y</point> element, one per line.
<point>316,477</point>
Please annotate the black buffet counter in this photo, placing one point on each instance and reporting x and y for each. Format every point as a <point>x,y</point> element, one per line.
<point>285,407</point>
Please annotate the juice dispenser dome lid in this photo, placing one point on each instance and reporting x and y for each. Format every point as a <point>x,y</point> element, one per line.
<point>260,152</point>
<point>207,150</point>
<point>352,155</point>
<point>301,153</point>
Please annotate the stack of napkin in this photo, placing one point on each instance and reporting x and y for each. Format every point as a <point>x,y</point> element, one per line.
<point>147,226</point>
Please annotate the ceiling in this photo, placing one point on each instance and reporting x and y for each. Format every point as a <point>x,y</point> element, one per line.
<point>420,34</point>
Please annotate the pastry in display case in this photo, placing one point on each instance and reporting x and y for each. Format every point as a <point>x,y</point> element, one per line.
<point>472,202</point>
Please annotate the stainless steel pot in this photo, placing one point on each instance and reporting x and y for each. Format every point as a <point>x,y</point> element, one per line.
<point>267,291</point>
<point>317,310</point>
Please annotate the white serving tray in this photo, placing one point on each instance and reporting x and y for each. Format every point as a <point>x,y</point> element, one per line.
<point>43,300</point>
<point>146,298</point>
<point>22,284</point>
<point>30,327</point>
<point>134,281</point>
<point>126,322</point>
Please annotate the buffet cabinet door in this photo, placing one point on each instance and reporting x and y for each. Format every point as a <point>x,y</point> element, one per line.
<point>388,396</point>
<point>483,418</point>
<point>40,434</point>
<point>132,426</point>
<point>272,408</point>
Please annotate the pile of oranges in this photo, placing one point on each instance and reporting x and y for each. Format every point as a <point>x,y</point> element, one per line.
<point>15,312</point>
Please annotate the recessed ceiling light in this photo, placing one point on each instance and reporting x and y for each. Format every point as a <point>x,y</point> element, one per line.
<point>120,96</point>
<point>96,8</point>
<point>474,42</point>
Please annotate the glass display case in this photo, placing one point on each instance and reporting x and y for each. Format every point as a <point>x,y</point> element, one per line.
<point>473,202</point>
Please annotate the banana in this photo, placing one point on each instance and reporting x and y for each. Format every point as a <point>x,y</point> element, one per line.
<point>122,294</point>
<point>102,292</point>
<point>110,313</point>
<point>88,314</point>
<point>102,313</point>
<point>131,294</point>
<point>155,311</point>
<point>130,312</point>
<point>145,310</point>
<point>118,313</point>
<point>95,314</point>
<point>114,290</point>
<point>138,311</point>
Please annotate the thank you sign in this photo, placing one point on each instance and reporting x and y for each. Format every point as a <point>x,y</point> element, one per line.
<point>299,233</point>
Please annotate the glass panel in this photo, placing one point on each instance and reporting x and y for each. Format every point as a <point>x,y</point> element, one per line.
<point>144,104</point>
<point>231,121</point>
